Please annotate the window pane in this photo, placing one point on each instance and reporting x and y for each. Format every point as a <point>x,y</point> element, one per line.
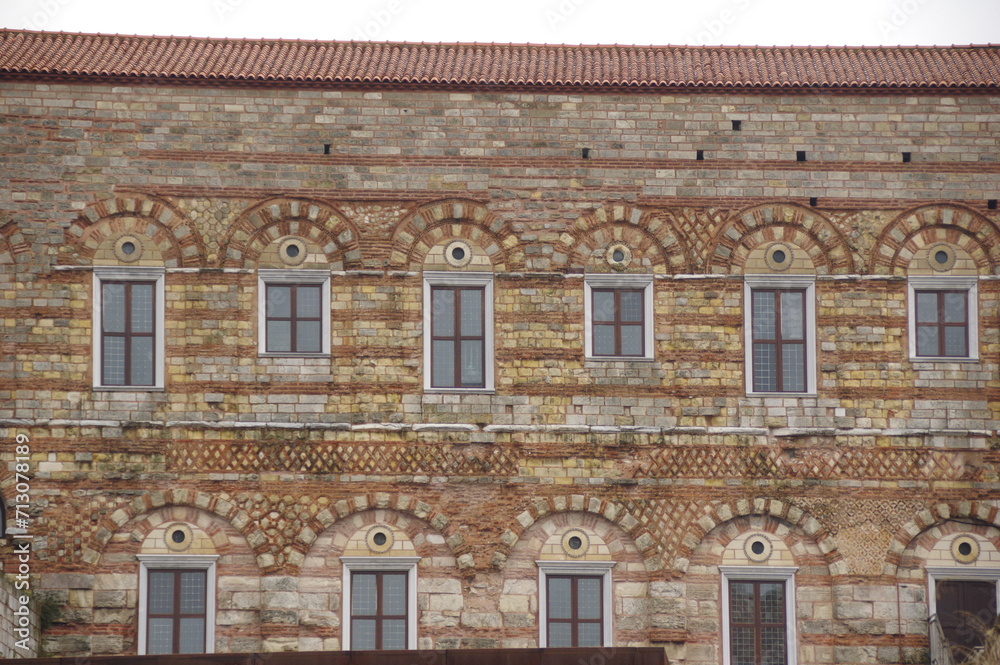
<point>772,645</point>
<point>192,636</point>
<point>927,304</point>
<point>394,634</point>
<point>142,361</point>
<point>763,315</point>
<point>588,635</point>
<point>604,340</point>
<point>279,335</point>
<point>363,595</point>
<point>631,340</point>
<point>142,308</point>
<point>161,636</point>
<point>113,358</point>
<point>588,598</point>
<point>631,305</point>
<point>604,306</point>
<point>472,312</point>
<point>772,602</point>
<point>193,592</point>
<point>927,340</point>
<point>443,312</point>
<point>114,307</point>
<point>394,594</point>
<point>954,307</point>
<point>765,377</point>
<point>472,362</point>
<point>307,302</point>
<point>559,598</point>
<point>741,640</point>
<point>560,635</point>
<point>741,602</point>
<point>443,364</point>
<point>954,341</point>
<point>793,367</point>
<point>279,301</point>
<point>792,316</point>
<point>307,335</point>
<point>363,634</point>
<point>161,592</point>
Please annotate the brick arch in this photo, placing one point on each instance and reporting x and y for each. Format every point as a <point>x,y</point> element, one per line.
<point>400,503</point>
<point>647,232</point>
<point>257,226</point>
<point>12,243</point>
<point>749,228</point>
<point>937,222</point>
<point>209,503</point>
<point>719,513</point>
<point>429,224</point>
<point>613,512</point>
<point>170,231</point>
<point>980,512</point>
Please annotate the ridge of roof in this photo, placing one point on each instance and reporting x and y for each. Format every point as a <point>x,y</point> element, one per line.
<point>27,53</point>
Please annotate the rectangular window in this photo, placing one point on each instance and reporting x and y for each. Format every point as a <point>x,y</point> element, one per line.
<point>965,608</point>
<point>293,318</point>
<point>575,613</point>
<point>942,322</point>
<point>128,333</point>
<point>458,337</point>
<point>778,325</point>
<point>379,610</point>
<point>619,320</point>
<point>757,622</point>
<point>176,611</point>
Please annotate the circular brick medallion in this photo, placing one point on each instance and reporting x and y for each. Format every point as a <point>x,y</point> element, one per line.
<point>941,258</point>
<point>575,543</point>
<point>128,249</point>
<point>179,537</point>
<point>619,256</point>
<point>292,252</point>
<point>778,257</point>
<point>965,549</point>
<point>458,254</point>
<point>379,539</point>
<point>758,548</point>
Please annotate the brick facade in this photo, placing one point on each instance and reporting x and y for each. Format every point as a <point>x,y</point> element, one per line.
<point>279,465</point>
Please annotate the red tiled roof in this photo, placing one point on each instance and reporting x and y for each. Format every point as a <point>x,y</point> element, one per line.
<point>269,62</point>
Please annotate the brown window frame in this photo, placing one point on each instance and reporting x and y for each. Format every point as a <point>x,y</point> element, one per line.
<point>617,323</point>
<point>128,334</point>
<point>957,624</point>
<point>757,624</point>
<point>176,615</point>
<point>458,338</point>
<point>574,620</point>
<point>379,617</point>
<point>778,343</point>
<point>292,317</point>
<point>940,323</point>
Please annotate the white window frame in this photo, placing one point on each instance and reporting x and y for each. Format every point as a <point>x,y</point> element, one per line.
<point>937,574</point>
<point>592,568</point>
<point>784,574</point>
<point>805,283</point>
<point>307,277</point>
<point>612,281</point>
<point>407,564</point>
<point>129,274</point>
<point>969,283</point>
<point>467,279</point>
<point>204,562</point>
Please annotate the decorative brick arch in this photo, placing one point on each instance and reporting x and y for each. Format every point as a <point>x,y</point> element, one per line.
<point>399,503</point>
<point>982,512</point>
<point>169,230</point>
<point>938,222</point>
<point>648,234</point>
<point>609,510</point>
<point>12,243</point>
<point>751,227</point>
<point>264,222</point>
<point>429,224</point>
<point>719,513</point>
<point>209,503</point>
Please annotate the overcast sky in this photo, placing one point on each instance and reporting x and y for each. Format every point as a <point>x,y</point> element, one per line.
<point>765,22</point>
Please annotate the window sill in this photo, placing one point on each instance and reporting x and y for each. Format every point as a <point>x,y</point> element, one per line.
<point>282,354</point>
<point>778,394</point>
<point>943,359</point>
<point>459,391</point>
<point>129,389</point>
<point>618,359</point>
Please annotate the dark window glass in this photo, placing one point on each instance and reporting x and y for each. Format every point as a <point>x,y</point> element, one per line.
<point>757,623</point>
<point>176,611</point>
<point>292,318</point>
<point>778,323</point>
<point>618,322</point>
<point>458,340</point>
<point>942,323</point>
<point>378,610</point>
<point>128,333</point>
<point>965,608</point>
<point>575,612</point>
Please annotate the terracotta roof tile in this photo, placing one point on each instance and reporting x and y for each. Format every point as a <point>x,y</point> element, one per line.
<point>26,53</point>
